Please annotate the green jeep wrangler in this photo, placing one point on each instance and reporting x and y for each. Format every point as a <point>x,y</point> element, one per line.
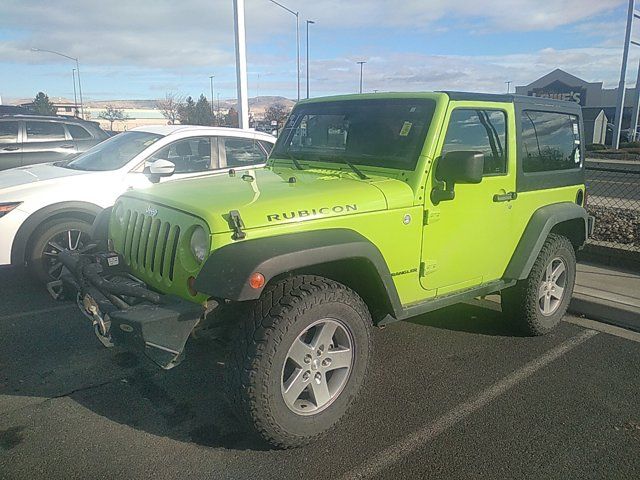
<point>371,209</point>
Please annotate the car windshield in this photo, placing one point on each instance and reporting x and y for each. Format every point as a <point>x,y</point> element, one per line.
<point>376,132</point>
<point>115,152</point>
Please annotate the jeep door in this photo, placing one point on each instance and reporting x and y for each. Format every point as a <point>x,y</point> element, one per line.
<point>10,144</point>
<point>466,240</point>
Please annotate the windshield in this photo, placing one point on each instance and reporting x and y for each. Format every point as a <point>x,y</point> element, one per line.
<point>382,133</point>
<point>115,152</point>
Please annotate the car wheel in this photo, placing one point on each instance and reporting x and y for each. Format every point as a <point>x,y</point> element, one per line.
<point>49,240</point>
<point>299,359</point>
<point>539,302</point>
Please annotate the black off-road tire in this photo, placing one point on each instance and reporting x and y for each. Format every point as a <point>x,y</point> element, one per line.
<point>259,347</point>
<point>36,259</point>
<point>521,303</point>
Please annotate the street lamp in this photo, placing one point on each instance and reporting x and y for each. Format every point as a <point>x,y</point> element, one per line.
<point>308,22</point>
<point>211,80</point>
<point>75,98</point>
<point>297,15</point>
<point>361,63</point>
<point>508,82</point>
<point>77,69</point>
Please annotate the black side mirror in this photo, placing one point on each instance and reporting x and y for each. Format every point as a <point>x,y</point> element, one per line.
<point>457,167</point>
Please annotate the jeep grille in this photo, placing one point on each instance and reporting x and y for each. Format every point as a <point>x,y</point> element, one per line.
<point>150,245</point>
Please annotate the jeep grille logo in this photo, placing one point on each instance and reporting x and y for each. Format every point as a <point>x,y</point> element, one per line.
<point>152,212</point>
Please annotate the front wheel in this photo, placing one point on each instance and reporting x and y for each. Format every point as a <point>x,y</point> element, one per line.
<point>52,238</point>
<point>538,303</point>
<point>299,359</point>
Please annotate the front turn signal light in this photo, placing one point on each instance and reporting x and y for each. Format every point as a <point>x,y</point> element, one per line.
<point>256,280</point>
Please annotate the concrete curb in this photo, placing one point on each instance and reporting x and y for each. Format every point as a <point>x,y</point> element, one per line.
<point>606,307</point>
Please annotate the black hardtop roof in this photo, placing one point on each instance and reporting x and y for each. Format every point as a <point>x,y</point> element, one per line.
<point>525,100</point>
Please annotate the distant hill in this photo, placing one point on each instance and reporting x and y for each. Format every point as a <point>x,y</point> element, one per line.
<point>257,105</point>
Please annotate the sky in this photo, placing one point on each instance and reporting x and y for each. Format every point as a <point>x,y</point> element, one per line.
<point>143,49</point>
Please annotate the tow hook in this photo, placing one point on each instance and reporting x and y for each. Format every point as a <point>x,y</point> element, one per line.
<point>55,289</point>
<point>101,325</point>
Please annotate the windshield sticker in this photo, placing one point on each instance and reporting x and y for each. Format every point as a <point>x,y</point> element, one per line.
<point>406,128</point>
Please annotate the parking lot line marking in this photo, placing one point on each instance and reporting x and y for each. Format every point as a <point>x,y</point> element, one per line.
<point>36,312</point>
<point>406,446</point>
<point>604,328</point>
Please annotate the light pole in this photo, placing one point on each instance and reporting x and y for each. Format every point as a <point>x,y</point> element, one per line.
<point>211,80</point>
<point>75,98</point>
<point>508,82</point>
<point>241,63</point>
<point>297,15</point>
<point>308,22</point>
<point>361,63</point>
<point>77,69</point>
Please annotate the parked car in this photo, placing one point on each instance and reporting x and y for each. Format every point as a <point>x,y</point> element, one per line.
<point>30,139</point>
<point>47,208</point>
<point>372,209</point>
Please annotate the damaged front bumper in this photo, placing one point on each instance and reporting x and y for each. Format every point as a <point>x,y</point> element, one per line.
<point>124,311</point>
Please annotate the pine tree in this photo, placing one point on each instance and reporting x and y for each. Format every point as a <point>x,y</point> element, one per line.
<point>42,105</point>
<point>202,113</point>
<point>186,114</point>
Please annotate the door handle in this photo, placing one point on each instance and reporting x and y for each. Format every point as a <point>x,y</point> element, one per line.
<point>67,146</point>
<point>505,197</point>
<point>11,149</point>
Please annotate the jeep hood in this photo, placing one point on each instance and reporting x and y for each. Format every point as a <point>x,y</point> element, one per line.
<point>269,196</point>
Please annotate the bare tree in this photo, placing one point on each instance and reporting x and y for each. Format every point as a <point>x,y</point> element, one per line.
<point>277,112</point>
<point>112,114</point>
<point>171,106</point>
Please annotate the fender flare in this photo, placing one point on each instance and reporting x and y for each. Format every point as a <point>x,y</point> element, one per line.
<point>535,234</point>
<point>226,272</point>
<point>31,224</point>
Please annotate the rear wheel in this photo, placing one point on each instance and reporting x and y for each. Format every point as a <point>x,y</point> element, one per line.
<point>299,359</point>
<point>49,240</point>
<point>538,303</point>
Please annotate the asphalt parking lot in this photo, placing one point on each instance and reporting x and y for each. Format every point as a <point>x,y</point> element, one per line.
<point>455,394</point>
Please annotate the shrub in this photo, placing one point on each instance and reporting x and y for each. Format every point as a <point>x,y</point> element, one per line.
<point>594,147</point>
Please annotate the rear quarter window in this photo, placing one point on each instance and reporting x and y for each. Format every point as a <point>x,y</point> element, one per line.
<point>550,141</point>
<point>77,132</point>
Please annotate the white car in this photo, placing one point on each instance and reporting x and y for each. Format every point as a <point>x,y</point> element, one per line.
<point>50,207</point>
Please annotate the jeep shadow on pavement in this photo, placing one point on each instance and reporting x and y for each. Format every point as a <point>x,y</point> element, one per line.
<point>458,196</point>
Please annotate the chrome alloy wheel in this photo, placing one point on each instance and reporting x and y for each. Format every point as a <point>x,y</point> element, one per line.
<point>551,290</point>
<point>317,367</point>
<point>68,240</point>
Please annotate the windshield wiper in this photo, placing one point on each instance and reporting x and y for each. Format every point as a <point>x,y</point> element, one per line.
<point>295,161</point>
<point>357,171</point>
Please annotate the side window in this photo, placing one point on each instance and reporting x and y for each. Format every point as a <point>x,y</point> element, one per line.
<point>44,131</point>
<point>550,141</point>
<point>480,131</point>
<point>189,155</point>
<point>8,132</point>
<point>77,132</point>
<point>242,152</point>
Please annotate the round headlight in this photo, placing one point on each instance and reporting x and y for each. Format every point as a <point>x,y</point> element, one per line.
<point>199,244</point>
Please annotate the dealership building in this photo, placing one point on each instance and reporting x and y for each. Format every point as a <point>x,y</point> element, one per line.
<point>598,104</point>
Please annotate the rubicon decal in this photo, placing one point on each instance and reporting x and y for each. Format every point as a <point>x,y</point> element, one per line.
<point>279,217</point>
